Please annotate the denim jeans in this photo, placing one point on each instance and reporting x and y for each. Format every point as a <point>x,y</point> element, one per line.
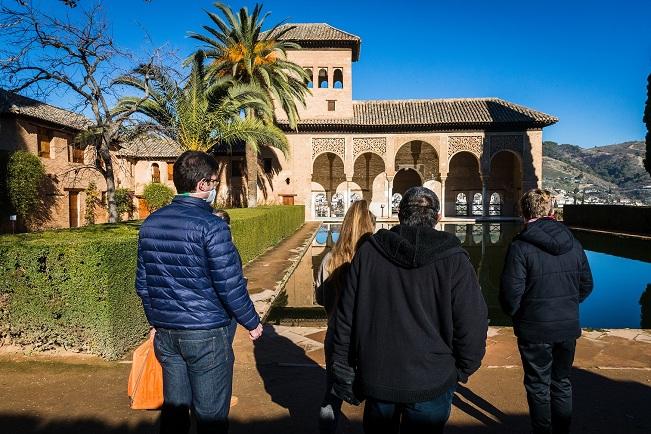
<point>420,417</point>
<point>197,376</point>
<point>547,368</point>
<point>330,410</point>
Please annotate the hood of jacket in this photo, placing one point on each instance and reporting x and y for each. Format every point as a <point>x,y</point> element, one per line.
<point>549,235</point>
<point>415,246</point>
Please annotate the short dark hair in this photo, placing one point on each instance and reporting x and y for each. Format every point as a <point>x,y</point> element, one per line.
<point>222,214</point>
<point>419,207</point>
<point>190,168</point>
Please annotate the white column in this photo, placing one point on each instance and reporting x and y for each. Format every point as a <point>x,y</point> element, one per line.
<point>389,194</point>
<point>347,198</point>
<point>442,198</point>
<point>484,195</point>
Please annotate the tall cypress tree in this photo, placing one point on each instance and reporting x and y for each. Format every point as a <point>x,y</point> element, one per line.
<point>647,120</point>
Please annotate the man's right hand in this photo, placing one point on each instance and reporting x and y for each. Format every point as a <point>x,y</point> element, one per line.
<point>256,332</point>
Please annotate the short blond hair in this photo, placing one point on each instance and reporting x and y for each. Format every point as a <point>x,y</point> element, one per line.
<point>536,203</point>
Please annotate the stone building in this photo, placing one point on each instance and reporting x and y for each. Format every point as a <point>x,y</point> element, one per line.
<point>49,132</point>
<point>477,154</point>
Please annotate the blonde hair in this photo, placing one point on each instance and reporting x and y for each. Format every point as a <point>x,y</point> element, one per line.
<point>358,222</point>
<point>536,203</point>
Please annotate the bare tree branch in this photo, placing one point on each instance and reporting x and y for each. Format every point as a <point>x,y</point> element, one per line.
<point>74,54</point>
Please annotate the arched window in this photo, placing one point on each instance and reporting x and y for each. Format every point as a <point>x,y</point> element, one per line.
<point>477,204</point>
<point>309,81</point>
<point>495,206</point>
<point>460,232</point>
<point>395,202</point>
<point>155,173</point>
<point>461,205</point>
<point>337,204</point>
<point>323,78</point>
<point>338,79</point>
<point>320,205</point>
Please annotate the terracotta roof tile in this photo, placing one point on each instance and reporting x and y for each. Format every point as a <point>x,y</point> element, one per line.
<point>319,35</point>
<point>150,146</point>
<point>467,112</point>
<point>11,102</point>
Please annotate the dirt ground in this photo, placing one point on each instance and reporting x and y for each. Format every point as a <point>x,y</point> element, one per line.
<point>280,380</point>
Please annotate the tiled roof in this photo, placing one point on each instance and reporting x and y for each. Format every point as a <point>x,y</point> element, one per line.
<point>11,102</point>
<point>319,35</point>
<point>150,146</point>
<point>442,113</point>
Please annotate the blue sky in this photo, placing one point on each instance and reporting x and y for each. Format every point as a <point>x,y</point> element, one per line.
<point>585,62</point>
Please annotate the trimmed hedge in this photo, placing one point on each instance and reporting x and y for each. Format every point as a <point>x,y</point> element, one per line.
<point>73,288</point>
<point>256,229</point>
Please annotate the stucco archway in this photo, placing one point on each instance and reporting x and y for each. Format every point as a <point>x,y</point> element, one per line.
<point>506,180</point>
<point>420,156</point>
<point>367,167</point>
<point>463,177</point>
<point>328,173</point>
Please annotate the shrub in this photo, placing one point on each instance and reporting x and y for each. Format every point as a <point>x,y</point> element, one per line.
<point>256,229</point>
<point>124,202</point>
<point>92,200</point>
<point>25,173</point>
<point>74,288</point>
<point>157,195</point>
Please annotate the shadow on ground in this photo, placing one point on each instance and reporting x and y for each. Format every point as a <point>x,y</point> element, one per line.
<point>295,382</point>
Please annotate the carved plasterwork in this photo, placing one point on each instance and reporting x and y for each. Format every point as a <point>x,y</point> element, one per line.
<point>369,144</point>
<point>472,144</point>
<point>336,145</point>
<point>511,142</point>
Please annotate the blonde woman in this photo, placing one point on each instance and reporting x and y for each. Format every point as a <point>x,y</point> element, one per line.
<point>358,224</point>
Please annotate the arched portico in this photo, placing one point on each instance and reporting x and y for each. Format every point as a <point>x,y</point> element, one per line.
<point>368,181</point>
<point>505,181</point>
<point>463,184</point>
<point>327,177</point>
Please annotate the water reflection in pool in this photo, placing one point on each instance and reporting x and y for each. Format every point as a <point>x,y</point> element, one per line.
<point>621,269</point>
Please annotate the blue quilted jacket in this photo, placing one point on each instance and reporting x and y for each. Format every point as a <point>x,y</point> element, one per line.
<point>189,273</point>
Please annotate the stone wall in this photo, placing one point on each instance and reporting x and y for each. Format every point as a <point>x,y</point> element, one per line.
<point>615,218</point>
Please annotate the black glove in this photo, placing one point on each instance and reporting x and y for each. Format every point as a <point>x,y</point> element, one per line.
<point>343,388</point>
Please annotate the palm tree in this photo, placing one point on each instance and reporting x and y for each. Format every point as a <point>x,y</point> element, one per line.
<point>240,49</point>
<point>202,112</point>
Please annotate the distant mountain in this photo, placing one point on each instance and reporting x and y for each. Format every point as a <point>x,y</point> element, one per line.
<point>613,169</point>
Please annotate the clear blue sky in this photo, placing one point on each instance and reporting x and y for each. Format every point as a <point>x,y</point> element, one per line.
<point>583,61</point>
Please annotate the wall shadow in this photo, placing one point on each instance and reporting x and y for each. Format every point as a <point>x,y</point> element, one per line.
<point>292,380</point>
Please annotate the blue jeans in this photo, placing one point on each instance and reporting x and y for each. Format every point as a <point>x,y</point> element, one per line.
<point>547,368</point>
<point>420,417</point>
<point>198,376</point>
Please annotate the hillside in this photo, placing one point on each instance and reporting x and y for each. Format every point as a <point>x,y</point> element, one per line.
<point>607,171</point>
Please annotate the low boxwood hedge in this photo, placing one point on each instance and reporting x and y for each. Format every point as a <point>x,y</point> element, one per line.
<point>74,288</point>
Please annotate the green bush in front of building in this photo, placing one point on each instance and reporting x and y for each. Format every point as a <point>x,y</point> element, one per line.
<point>157,195</point>
<point>74,288</point>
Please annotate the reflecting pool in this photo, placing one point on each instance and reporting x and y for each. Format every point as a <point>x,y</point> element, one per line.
<point>621,269</point>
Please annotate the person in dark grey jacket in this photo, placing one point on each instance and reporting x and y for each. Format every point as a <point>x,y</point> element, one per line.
<point>546,275</point>
<point>411,322</point>
<point>189,277</point>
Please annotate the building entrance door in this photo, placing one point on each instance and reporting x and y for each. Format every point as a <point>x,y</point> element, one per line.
<point>73,208</point>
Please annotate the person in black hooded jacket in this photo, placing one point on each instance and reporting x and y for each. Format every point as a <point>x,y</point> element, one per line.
<point>410,323</point>
<point>546,275</point>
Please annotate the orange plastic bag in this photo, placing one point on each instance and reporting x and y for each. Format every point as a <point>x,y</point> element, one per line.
<point>145,379</point>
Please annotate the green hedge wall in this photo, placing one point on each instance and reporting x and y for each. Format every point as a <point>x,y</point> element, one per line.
<point>256,229</point>
<point>74,289</point>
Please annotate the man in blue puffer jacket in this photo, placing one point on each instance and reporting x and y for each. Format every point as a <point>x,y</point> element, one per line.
<point>190,280</point>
